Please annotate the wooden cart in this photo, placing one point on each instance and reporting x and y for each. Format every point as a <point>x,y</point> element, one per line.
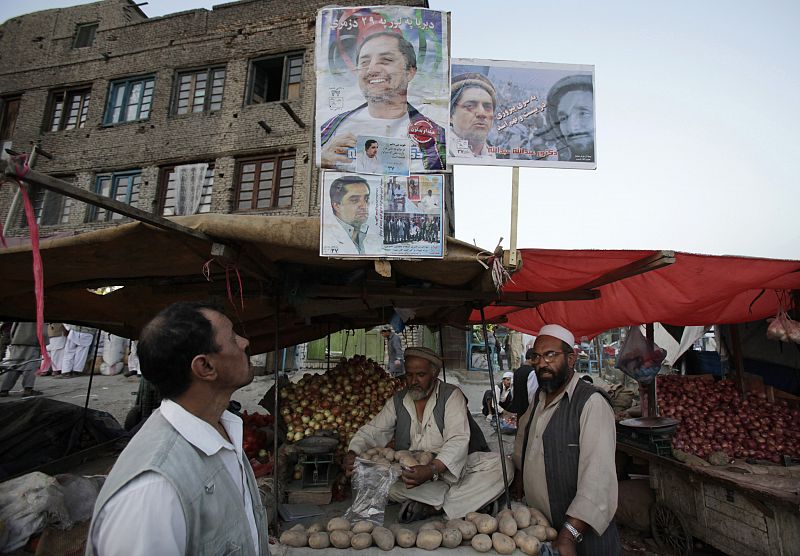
<point>737,513</point>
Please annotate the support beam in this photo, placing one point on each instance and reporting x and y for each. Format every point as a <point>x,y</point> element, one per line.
<point>657,260</point>
<point>59,186</point>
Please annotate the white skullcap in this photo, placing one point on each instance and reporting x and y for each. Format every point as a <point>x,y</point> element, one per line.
<point>557,331</point>
<point>508,374</point>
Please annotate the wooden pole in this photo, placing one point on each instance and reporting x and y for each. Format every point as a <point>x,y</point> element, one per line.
<point>652,403</point>
<point>738,358</point>
<point>512,253</point>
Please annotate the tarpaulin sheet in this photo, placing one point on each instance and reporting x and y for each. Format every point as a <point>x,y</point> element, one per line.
<point>694,290</point>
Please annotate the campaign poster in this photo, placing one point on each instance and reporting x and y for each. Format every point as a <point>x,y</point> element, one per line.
<point>382,71</point>
<point>522,114</point>
<point>382,155</point>
<point>371,216</point>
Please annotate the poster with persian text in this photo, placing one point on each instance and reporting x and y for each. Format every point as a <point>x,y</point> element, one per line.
<point>377,217</point>
<point>385,72</point>
<point>522,114</point>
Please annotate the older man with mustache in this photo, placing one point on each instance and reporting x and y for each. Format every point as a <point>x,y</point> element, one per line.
<point>431,415</point>
<point>564,451</point>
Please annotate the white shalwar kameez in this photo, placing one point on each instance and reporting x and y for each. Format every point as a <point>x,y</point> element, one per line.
<point>471,480</point>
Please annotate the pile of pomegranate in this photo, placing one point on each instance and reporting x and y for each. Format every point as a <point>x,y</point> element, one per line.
<point>340,400</point>
<point>713,417</point>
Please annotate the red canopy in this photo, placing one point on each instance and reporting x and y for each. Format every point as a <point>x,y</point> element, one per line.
<point>590,292</point>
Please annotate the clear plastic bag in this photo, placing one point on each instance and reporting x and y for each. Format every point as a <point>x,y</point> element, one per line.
<point>371,483</point>
<point>639,358</point>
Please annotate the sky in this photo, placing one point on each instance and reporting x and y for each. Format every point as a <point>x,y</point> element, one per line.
<point>696,113</point>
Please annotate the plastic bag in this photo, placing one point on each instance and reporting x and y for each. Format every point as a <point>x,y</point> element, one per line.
<point>371,483</point>
<point>783,328</point>
<point>638,358</point>
<point>25,504</point>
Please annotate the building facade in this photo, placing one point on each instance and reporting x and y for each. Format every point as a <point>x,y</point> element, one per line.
<point>127,104</point>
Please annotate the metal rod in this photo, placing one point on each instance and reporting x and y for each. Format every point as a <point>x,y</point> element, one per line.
<point>328,352</point>
<point>276,413</point>
<point>441,354</point>
<point>91,378</point>
<point>496,407</point>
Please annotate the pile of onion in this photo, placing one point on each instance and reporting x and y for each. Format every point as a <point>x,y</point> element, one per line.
<point>713,417</point>
<point>340,400</point>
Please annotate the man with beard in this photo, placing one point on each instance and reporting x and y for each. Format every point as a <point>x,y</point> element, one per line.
<point>472,103</point>
<point>183,485</point>
<point>349,233</point>
<point>432,415</point>
<point>564,451</point>
<point>386,65</point>
<point>570,114</point>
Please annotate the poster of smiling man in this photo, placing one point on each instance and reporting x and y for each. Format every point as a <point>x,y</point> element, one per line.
<point>522,114</point>
<point>384,72</point>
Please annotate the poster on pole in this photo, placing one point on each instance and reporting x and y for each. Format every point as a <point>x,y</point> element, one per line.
<point>522,114</point>
<point>372,217</point>
<point>384,72</point>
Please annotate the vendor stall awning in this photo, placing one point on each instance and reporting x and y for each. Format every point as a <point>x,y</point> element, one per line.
<point>593,291</point>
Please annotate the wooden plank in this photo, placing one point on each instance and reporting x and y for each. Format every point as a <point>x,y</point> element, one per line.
<point>657,260</point>
<point>740,539</point>
<point>737,511</point>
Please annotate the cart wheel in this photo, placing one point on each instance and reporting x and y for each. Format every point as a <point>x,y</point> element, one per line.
<point>670,531</point>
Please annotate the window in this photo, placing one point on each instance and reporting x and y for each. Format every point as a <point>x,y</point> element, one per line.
<point>68,109</point>
<point>49,207</point>
<point>276,78</point>
<point>200,91</point>
<point>129,100</point>
<point>8,117</point>
<point>120,186</point>
<point>167,204</point>
<point>266,183</point>
<point>84,35</point>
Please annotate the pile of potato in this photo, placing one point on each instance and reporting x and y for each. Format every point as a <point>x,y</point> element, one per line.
<point>523,528</point>
<point>400,458</point>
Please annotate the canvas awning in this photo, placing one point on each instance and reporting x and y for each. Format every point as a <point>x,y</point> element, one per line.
<point>278,262</point>
<point>593,291</point>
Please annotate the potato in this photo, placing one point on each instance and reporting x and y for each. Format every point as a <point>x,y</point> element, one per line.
<point>361,541</point>
<point>341,538</point>
<point>296,539</point>
<point>538,517</point>
<point>299,527</point>
<point>432,526</point>
<point>451,537</point>
<point>487,524</point>
<point>400,453</point>
<point>471,516</point>
<point>481,542</point>
<point>429,539</point>
<point>552,534</point>
<point>388,453</point>
<point>537,531</point>
<point>371,452</point>
<point>382,460</point>
<point>338,524</point>
<point>504,513</point>
<point>503,544</point>
<point>507,526</point>
<point>315,527</point>
<point>467,528</point>
<point>409,461</point>
<point>383,538</point>
<point>425,458</point>
<point>527,544</point>
<point>319,539</point>
<point>405,537</point>
<point>363,527</point>
<point>522,516</point>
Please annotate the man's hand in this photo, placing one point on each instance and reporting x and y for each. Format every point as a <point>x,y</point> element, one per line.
<point>349,462</point>
<point>415,476</point>
<point>334,154</point>
<point>565,544</point>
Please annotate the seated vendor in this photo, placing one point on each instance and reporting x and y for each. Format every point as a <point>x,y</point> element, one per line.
<point>431,415</point>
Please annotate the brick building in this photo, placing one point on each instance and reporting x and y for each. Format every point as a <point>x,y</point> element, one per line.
<point>120,100</point>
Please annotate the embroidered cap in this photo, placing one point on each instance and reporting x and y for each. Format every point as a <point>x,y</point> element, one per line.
<point>424,353</point>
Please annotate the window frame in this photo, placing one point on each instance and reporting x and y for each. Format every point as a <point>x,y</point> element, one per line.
<point>39,197</point>
<point>6,130</point>
<point>115,177</point>
<point>277,159</point>
<point>163,187</point>
<point>93,26</point>
<point>285,76</point>
<point>207,95</point>
<point>129,83</point>
<point>69,94</point>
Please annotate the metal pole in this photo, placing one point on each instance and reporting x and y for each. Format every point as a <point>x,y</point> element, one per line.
<point>496,407</point>
<point>328,353</point>
<point>441,354</point>
<point>276,413</point>
<point>91,377</point>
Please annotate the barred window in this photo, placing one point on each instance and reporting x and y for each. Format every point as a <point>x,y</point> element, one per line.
<point>265,183</point>
<point>199,91</point>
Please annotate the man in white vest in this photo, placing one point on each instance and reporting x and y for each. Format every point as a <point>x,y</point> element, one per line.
<point>184,475</point>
